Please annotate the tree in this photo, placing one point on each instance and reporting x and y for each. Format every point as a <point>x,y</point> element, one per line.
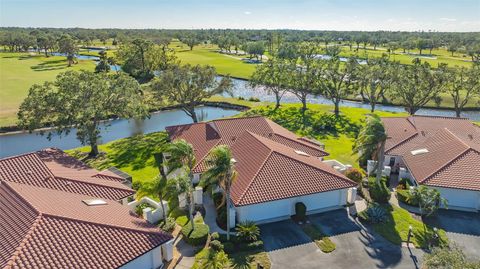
<point>156,186</point>
<point>191,41</point>
<point>188,86</point>
<point>337,80</point>
<point>255,49</point>
<point>221,172</point>
<point>421,44</point>
<point>392,47</point>
<point>416,85</point>
<point>67,45</point>
<point>103,65</point>
<point>462,84</point>
<point>370,143</point>
<point>133,58</point>
<point>429,199</point>
<point>453,47</point>
<point>375,78</point>
<point>271,76</point>
<point>81,100</point>
<point>447,257</point>
<point>182,156</point>
<point>46,42</point>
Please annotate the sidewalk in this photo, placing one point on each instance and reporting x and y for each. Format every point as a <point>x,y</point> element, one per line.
<point>211,215</point>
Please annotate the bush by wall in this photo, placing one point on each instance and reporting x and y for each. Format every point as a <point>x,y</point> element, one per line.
<point>379,194</point>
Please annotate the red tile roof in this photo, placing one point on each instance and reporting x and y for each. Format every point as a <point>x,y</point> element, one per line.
<point>207,135</point>
<point>52,168</point>
<point>452,144</point>
<point>267,163</point>
<point>269,171</point>
<point>45,228</point>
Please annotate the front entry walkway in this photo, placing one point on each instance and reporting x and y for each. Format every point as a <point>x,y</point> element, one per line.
<point>211,215</point>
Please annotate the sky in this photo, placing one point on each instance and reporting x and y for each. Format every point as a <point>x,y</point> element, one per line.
<point>361,15</point>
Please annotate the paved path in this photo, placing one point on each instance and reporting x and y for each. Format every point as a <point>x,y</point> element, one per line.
<point>357,246</point>
<point>211,214</point>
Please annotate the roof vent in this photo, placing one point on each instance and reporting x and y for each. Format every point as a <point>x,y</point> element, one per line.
<point>93,202</point>
<point>299,152</point>
<point>423,133</point>
<point>419,151</point>
<point>470,136</point>
<point>234,138</point>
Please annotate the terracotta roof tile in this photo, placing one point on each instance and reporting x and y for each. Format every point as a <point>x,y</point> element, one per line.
<point>52,168</point>
<point>446,139</point>
<point>269,171</point>
<point>69,234</point>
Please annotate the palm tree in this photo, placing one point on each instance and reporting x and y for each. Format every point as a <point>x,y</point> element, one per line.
<point>217,260</point>
<point>370,143</point>
<point>182,157</point>
<point>222,173</point>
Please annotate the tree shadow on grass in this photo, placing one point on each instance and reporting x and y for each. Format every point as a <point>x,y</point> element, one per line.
<point>50,65</point>
<point>136,151</point>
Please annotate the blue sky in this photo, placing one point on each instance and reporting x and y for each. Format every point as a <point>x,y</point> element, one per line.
<point>407,15</point>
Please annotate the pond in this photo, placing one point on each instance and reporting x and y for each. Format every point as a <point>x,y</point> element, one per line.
<point>20,142</point>
<point>78,56</point>
<point>241,89</point>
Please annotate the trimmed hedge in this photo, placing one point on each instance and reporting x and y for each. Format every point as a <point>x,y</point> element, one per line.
<point>196,237</point>
<point>354,174</point>
<point>379,194</point>
<point>300,211</point>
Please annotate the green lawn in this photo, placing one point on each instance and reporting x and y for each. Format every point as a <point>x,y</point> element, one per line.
<point>22,70</point>
<point>395,229</point>
<point>207,54</point>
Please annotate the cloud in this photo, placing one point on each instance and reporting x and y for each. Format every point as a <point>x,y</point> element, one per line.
<point>448,19</point>
<point>247,12</point>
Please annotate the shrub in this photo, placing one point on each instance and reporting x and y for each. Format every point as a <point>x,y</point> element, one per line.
<point>241,98</point>
<point>140,207</point>
<point>354,174</point>
<point>254,99</point>
<point>136,185</point>
<point>216,245</point>
<point>247,231</point>
<point>379,194</point>
<point>300,211</point>
<point>167,225</point>
<point>374,214</point>
<point>229,247</point>
<point>182,220</point>
<point>196,237</point>
<point>215,236</point>
<point>404,183</point>
<point>406,197</point>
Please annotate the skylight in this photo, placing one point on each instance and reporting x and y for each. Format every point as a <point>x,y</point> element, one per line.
<point>419,151</point>
<point>301,153</point>
<point>93,202</point>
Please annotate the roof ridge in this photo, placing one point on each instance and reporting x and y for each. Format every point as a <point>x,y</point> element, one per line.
<point>102,224</point>
<point>17,156</point>
<point>402,142</point>
<point>27,236</point>
<point>427,178</point>
<point>236,118</point>
<point>305,144</point>
<point>95,183</point>
<point>204,157</point>
<point>12,190</point>
<point>440,117</point>
<point>456,137</point>
<point>256,174</point>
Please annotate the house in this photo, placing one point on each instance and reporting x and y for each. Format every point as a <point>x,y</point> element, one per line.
<point>276,169</point>
<point>440,152</point>
<point>56,212</point>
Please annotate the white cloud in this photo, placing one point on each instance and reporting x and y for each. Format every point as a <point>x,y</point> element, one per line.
<point>247,12</point>
<point>448,19</point>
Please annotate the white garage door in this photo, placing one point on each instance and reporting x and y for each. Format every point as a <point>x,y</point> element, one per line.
<point>283,209</point>
<point>461,198</point>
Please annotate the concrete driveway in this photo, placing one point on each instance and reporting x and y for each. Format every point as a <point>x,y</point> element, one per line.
<point>463,228</point>
<point>356,246</point>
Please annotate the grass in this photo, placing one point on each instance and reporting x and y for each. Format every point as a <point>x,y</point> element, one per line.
<point>396,228</point>
<point>20,71</point>
<point>207,54</point>
<point>322,241</point>
<point>338,139</point>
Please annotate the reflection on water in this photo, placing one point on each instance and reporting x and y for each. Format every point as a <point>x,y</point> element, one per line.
<point>18,143</point>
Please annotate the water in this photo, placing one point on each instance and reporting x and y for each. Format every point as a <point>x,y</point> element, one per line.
<point>19,143</point>
<point>78,56</point>
<point>342,59</point>
<point>241,89</point>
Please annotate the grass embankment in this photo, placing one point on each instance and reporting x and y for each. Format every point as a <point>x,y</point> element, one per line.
<point>20,71</point>
<point>396,228</point>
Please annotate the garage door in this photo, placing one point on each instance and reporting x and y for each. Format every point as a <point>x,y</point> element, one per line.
<point>461,198</point>
<point>283,209</point>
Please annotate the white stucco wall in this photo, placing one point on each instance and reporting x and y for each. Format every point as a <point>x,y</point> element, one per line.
<point>283,209</point>
<point>461,199</point>
<point>149,260</point>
